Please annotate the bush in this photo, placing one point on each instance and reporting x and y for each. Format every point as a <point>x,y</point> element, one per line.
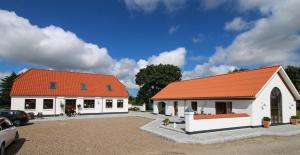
<point>166,121</point>
<point>134,109</point>
<point>266,119</point>
<point>294,117</point>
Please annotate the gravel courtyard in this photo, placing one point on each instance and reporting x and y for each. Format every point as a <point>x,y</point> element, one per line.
<point>123,136</point>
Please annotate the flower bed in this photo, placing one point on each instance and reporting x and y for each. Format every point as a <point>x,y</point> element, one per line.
<point>214,116</point>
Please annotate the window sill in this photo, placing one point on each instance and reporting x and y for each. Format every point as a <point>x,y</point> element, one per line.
<point>48,109</point>
<point>29,109</point>
<point>89,108</point>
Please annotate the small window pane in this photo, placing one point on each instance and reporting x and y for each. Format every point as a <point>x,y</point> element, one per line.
<point>108,103</point>
<point>89,104</point>
<point>109,88</point>
<point>83,86</point>
<point>52,85</point>
<point>30,103</point>
<point>48,104</point>
<point>120,103</point>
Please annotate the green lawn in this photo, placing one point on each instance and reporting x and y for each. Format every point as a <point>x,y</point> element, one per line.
<point>298,113</point>
<point>149,110</point>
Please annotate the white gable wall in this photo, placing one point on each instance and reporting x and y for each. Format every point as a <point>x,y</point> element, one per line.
<point>261,106</point>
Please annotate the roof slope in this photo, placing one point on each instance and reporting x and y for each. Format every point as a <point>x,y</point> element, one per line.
<point>233,85</point>
<point>35,82</point>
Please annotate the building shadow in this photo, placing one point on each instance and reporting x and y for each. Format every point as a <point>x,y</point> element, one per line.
<point>14,148</point>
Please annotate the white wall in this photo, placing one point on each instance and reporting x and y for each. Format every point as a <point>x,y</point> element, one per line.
<point>207,106</point>
<point>261,106</point>
<point>193,125</point>
<point>18,103</point>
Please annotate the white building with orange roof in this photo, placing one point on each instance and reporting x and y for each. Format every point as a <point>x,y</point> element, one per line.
<point>245,96</point>
<point>53,92</point>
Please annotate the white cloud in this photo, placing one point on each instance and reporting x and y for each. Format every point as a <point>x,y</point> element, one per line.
<point>206,70</point>
<point>197,39</point>
<point>126,69</point>
<point>59,49</point>
<point>149,6</point>
<point>4,74</point>
<point>274,37</point>
<point>50,46</point>
<point>174,5</point>
<point>175,57</point>
<point>173,29</point>
<point>237,24</point>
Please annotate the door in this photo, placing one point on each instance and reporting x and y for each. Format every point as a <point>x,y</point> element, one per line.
<point>70,105</point>
<point>176,108</point>
<point>194,106</point>
<point>223,107</point>
<point>276,106</point>
<point>161,107</point>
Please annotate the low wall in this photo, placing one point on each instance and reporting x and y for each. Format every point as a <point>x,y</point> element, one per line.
<point>203,123</point>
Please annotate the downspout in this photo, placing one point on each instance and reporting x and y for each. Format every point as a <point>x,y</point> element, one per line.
<point>55,107</point>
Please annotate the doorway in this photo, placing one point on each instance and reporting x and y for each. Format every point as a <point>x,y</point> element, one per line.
<point>176,108</point>
<point>70,105</point>
<point>276,106</point>
<point>161,108</point>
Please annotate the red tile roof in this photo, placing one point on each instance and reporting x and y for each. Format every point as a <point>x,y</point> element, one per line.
<point>244,84</point>
<point>35,82</point>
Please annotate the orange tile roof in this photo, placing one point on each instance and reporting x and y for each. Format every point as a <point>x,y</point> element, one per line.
<point>35,82</point>
<point>244,84</point>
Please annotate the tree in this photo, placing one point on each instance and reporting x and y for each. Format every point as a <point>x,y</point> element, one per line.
<point>153,78</point>
<point>132,100</point>
<point>238,70</point>
<point>294,74</point>
<point>5,86</point>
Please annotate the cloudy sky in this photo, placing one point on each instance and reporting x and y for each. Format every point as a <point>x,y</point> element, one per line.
<point>202,37</point>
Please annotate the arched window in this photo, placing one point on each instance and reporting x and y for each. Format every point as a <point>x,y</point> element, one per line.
<point>276,105</point>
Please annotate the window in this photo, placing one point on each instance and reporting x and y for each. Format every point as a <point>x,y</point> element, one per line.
<point>29,103</point>
<point>108,103</point>
<point>120,103</point>
<point>89,104</point>
<point>109,88</point>
<point>48,104</point>
<point>52,85</point>
<point>194,106</point>
<point>223,107</point>
<point>5,125</point>
<point>83,86</point>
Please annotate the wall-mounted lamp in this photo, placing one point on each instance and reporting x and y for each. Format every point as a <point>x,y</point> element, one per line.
<point>263,106</point>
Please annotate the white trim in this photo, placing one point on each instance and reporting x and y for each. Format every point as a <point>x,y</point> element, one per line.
<point>286,79</point>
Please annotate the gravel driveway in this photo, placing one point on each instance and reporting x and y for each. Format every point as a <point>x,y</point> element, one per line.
<point>123,136</point>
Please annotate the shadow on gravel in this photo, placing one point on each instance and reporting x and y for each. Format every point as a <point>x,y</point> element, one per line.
<point>14,148</point>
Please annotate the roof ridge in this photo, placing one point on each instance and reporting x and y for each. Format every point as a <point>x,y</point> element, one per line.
<point>249,70</point>
<point>77,72</point>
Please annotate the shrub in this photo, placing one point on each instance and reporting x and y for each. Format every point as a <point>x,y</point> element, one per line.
<point>266,119</point>
<point>166,121</point>
<point>295,117</point>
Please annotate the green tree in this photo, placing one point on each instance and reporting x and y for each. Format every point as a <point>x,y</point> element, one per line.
<point>238,70</point>
<point>294,74</point>
<point>5,87</point>
<point>132,100</point>
<point>153,78</point>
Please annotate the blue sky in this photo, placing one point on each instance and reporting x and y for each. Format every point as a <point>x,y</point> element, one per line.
<point>202,37</point>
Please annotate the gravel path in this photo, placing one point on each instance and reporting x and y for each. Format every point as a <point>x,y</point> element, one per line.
<point>123,136</point>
